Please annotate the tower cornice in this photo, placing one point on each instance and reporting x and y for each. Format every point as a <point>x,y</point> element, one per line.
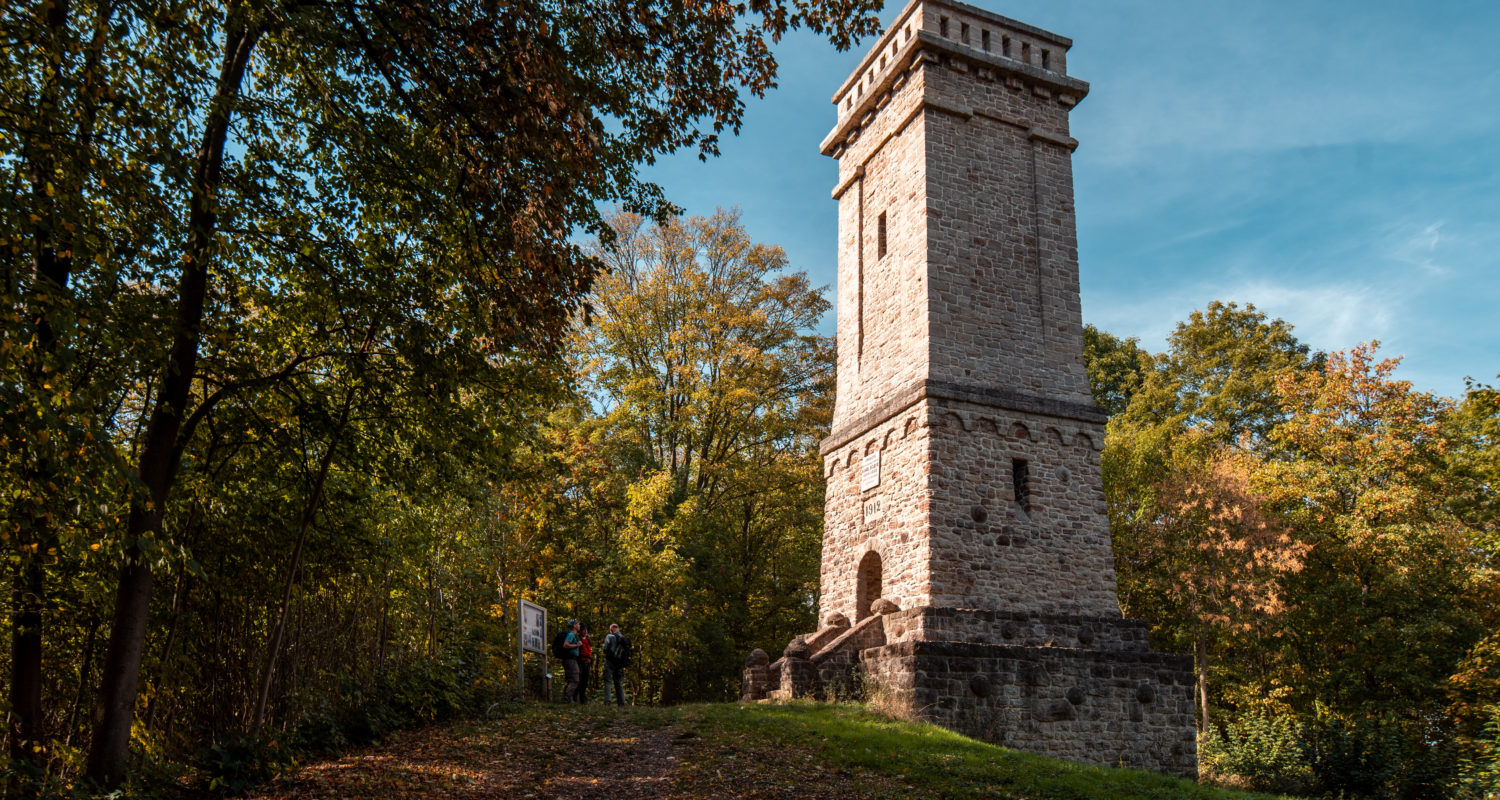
<point>928,47</point>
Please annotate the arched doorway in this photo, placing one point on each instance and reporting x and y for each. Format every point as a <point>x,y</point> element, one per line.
<point>866,585</point>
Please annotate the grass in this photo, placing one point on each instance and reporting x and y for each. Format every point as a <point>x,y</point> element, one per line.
<point>884,756</point>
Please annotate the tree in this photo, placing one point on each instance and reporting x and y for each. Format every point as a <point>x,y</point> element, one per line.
<point>247,137</point>
<point>1473,429</point>
<point>1196,554</point>
<point>1117,367</point>
<point>1220,373</point>
<point>714,393</point>
<point>1199,555</point>
<point>1391,596</point>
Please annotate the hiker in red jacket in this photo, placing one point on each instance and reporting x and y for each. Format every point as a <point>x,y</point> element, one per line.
<point>585,663</point>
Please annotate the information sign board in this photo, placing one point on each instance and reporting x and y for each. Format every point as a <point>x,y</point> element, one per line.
<point>533,628</point>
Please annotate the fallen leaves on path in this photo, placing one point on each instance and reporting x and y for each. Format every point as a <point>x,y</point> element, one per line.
<point>569,752</point>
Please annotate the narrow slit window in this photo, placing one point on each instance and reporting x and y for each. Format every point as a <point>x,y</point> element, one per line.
<point>984,40</point>
<point>1005,46</point>
<point>1046,58</point>
<point>963,32</point>
<point>1020,477</point>
<point>943,27</point>
<point>880,236</point>
<point>1026,52</point>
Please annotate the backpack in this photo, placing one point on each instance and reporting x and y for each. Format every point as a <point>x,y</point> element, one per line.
<point>558,651</point>
<point>617,650</point>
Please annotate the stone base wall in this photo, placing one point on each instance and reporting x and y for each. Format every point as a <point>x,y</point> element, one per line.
<point>1080,688</point>
<point>1110,708</point>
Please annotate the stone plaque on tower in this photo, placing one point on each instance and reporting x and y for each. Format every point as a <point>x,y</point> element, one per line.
<point>980,593</point>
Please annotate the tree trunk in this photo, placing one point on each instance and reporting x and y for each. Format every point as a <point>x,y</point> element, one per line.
<point>157,468</point>
<point>380,636</point>
<point>52,266</point>
<point>81,693</point>
<point>384,626</point>
<point>26,743</point>
<point>670,692</point>
<point>1200,655</point>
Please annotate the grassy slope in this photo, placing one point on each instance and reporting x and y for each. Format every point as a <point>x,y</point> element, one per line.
<point>800,751</point>
<point>879,757</point>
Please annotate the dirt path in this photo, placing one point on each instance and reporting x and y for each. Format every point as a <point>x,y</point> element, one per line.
<point>551,753</point>
<point>593,752</point>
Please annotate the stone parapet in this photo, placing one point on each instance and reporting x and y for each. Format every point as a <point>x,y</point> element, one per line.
<point>982,626</point>
<point>755,680</point>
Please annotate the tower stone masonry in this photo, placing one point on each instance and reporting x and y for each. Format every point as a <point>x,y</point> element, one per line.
<point>967,573</point>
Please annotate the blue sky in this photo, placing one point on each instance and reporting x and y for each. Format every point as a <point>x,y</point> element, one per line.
<point>1335,163</point>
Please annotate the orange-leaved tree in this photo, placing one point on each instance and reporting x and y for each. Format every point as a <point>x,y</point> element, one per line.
<point>1390,584</point>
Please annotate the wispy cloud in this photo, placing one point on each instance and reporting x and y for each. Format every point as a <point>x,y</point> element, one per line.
<point>1417,245</point>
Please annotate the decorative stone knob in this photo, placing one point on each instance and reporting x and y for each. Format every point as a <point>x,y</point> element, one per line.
<point>883,606</point>
<point>797,648</point>
<point>757,658</point>
<point>836,620</point>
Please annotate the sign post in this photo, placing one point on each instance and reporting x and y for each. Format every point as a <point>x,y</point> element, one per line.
<point>533,637</point>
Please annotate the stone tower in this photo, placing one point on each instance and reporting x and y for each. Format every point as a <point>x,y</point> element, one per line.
<point>967,567</point>
<point>964,445</point>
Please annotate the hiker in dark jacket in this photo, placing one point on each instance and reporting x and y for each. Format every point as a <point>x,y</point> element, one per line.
<point>616,659</point>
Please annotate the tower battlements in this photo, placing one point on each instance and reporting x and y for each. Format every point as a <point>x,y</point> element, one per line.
<point>969,40</point>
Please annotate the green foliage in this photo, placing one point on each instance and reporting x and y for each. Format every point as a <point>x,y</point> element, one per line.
<point>686,498</point>
<point>1219,374</point>
<point>1381,757</point>
<point>1473,429</point>
<point>1479,768</point>
<point>1265,752</point>
<point>243,762</point>
<point>1320,536</point>
<point>421,693</point>
<point>1117,368</point>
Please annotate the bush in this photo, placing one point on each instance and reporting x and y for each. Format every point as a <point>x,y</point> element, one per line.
<point>243,762</point>
<point>1480,767</point>
<point>1382,757</point>
<point>1258,751</point>
<point>419,693</point>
